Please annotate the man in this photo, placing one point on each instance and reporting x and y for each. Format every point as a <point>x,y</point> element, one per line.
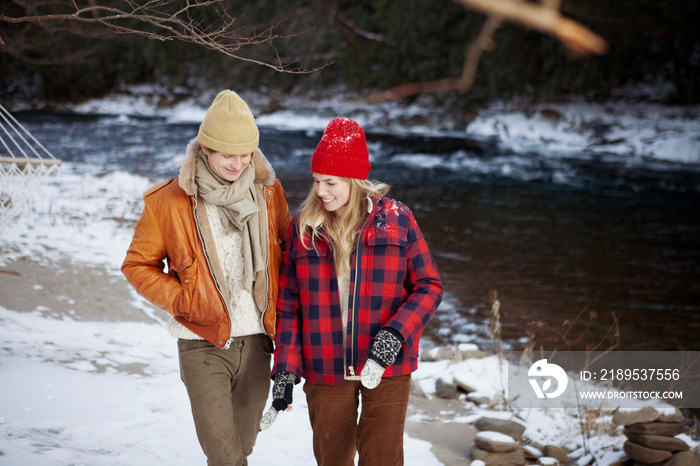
<point>219,227</point>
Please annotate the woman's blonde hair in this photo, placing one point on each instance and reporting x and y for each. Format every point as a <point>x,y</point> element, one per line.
<point>341,225</point>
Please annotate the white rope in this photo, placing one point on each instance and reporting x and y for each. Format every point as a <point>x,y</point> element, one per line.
<point>20,174</point>
<point>10,120</point>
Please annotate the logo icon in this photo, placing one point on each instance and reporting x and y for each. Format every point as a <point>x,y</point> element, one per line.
<point>542,368</point>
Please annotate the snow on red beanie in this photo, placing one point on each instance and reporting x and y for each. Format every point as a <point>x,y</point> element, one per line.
<point>342,151</point>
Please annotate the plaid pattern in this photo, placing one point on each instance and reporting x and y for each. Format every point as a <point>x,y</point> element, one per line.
<point>398,287</point>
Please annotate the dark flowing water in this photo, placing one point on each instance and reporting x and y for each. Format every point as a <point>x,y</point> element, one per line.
<point>554,237</point>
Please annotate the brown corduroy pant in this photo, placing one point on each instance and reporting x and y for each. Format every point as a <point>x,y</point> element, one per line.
<point>377,436</point>
<point>227,390</point>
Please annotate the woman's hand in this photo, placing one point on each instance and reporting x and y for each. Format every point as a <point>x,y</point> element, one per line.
<point>385,346</point>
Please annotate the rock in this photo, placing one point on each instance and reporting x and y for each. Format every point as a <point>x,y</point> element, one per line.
<point>478,400</point>
<point>511,458</point>
<point>438,354</point>
<point>684,458</point>
<point>469,351</point>
<point>532,453</point>
<point>495,441</point>
<point>462,352</point>
<point>539,446</point>
<point>553,451</point>
<point>629,417</point>
<point>445,389</point>
<point>504,426</point>
<point>645,455</point>
<point>549,461</point>
<point>416,390</point>
<point>622,462</point>
<point>676,416</point>
<point>658,428</point>
<point>463,384</point>
<point>660,442</point>
<point>553,115</point>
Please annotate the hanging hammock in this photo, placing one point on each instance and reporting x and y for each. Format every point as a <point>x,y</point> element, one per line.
<point>23,164</point>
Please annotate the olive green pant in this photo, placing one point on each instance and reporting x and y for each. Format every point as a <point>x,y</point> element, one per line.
<point>228,390</point>
<point>377,436</point>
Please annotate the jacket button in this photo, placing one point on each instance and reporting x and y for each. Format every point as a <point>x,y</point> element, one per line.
<point>270,192</point>
<point>180,267</point>
<point>187,281</point>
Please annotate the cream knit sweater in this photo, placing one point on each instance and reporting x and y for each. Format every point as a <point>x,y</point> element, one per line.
<point>245,318</point>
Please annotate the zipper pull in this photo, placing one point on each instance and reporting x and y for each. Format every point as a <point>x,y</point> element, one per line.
<point>228,343</point>
<point>352,371</point>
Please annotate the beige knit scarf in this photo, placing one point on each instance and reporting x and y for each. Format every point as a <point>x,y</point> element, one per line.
<point>236,202</point>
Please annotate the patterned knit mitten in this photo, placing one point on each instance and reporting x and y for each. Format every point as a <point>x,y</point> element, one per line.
<point>281,397</point>
<point>282,390</point>
<point>383,351</point>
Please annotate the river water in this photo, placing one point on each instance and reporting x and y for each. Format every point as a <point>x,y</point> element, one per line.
<point>617,245</point>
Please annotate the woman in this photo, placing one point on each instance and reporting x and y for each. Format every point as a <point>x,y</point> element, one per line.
<point>357,288</point>
<point>220,226</point>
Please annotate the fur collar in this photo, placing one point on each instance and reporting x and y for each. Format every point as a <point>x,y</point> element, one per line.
<point>264,173</point>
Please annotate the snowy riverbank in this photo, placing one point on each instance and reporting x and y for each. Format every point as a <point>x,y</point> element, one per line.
<point>634,130</point>
<point>88,372</point>
<point>85,387</point>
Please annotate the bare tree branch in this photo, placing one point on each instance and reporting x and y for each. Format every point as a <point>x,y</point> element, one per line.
<point>153,20</point>
<point>367,35</point>
<point>483,42</point>
<point>546,18</point>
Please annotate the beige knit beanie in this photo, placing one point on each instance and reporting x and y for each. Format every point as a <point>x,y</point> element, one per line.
<point>229,126</point>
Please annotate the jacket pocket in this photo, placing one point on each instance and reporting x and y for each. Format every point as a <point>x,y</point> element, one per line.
<point>194,302</point>
<point>320,251</point>
<point>182,265</point>
<point>390,235</point>
<point>385,256</point>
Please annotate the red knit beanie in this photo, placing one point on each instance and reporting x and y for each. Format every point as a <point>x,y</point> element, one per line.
<point>342,151</point>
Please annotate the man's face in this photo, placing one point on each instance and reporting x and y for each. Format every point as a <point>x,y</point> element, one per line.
<point>227,166</point>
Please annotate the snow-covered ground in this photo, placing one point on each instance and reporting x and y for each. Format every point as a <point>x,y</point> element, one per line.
<point>70,390</point>
<point>70,393</point>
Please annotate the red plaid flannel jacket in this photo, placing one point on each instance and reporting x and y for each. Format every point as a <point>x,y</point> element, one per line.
<point>396,285</point>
